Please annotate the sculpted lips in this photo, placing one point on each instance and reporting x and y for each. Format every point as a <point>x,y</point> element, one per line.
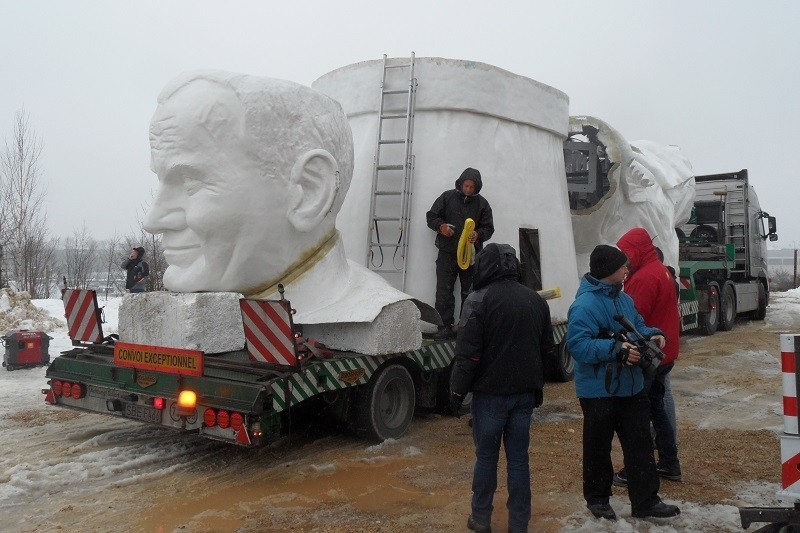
<point>181,255</point>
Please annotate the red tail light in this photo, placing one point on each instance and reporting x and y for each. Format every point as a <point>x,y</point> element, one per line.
<point>210,418</point>
<point>237,420</point>
<point>66,389</point>
<point>57,387</point>
<point>78,391</point>
<point>223,419</point>
<point>158,403</point>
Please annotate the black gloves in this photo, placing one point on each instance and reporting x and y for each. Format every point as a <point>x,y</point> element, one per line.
<point>455,404</point>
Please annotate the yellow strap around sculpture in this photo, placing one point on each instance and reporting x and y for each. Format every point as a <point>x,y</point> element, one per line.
<point>466,250</point>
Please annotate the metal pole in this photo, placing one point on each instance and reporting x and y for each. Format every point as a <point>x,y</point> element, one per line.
<point>794,276</point>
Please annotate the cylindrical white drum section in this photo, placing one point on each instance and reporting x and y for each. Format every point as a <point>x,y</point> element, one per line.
<point>790,353</point>
<point>467,114</point>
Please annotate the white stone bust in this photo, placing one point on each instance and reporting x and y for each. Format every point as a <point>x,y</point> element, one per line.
<point>252,173</point>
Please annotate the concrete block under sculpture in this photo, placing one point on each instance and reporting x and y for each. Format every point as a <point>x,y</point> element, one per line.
<point>252,173</point>
<point>650,186</point>
<point>468,114</point>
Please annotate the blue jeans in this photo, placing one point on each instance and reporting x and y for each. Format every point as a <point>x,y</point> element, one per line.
<point>506,417</point>
<point>665,431</point>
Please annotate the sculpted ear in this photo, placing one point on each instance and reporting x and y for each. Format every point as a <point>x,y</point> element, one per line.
<point>313,186</point>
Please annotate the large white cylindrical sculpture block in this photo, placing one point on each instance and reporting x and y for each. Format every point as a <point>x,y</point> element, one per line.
<point>467,114</point>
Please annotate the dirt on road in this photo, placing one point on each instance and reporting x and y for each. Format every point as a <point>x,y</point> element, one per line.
<point>728,396</point>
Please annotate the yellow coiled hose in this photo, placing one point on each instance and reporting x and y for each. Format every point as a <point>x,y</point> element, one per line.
<point>466,249</point>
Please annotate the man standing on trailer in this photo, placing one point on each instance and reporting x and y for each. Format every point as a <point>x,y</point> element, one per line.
<point>447,217</point>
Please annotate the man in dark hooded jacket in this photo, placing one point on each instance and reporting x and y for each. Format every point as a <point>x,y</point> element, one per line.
<point>503,334</point>
<point>137,269</point>
<point>447,217</point>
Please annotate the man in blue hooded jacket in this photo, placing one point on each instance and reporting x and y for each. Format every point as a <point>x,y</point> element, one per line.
<point>610,386</point>
<point>447,217</point>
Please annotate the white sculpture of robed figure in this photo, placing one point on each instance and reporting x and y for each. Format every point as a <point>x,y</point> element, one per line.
<point>252,174</point>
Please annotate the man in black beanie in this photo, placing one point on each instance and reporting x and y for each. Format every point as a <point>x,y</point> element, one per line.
<point>609,384</point>
<point>137,269</point>
<point>447,217</point>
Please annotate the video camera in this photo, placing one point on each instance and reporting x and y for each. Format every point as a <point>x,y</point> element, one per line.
<point>651,354</point>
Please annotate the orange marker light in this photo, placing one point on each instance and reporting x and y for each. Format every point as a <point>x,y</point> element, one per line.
<point>187,402</point>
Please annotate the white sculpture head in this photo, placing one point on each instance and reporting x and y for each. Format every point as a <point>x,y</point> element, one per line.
<point>252,173</point>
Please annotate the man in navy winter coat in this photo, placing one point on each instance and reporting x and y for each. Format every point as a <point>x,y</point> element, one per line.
<point>503,334</point>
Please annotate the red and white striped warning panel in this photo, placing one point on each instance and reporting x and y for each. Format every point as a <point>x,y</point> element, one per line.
<point>268,330</point>
<point>790,467</point>
<point>81,310</point>
<point>790,440</point>
<point>789,366</point>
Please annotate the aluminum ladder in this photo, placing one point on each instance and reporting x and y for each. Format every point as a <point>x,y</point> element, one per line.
<point>393,172</point>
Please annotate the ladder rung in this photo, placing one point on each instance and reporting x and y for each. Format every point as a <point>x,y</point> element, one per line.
<point>386,219</point>
<point>387,193</point>
<point>390,245</point>
<point>392,141</point>
<point>387,271</point>
<point>403,115</point>
<point>391,167</point>
<point>396,91</point>
<point>399,66</point>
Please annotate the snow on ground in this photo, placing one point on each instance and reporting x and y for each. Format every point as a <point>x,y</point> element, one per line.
<point>120,453</point>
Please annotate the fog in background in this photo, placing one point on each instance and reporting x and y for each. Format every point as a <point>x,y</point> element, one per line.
<point>717,78</point>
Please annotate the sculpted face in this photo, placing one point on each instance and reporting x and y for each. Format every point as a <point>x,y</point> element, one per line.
<point>216,209</point>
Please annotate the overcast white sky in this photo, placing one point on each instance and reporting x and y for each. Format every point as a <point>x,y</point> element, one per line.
<point>717,78</point>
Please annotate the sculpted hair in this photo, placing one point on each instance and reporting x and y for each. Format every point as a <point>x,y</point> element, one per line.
<point>282,121</point>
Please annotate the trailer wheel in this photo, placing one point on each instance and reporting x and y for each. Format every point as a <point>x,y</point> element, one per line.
<point>761,312</point>
<point>386,405</point>
<point>710,320</point>
<point>562,368</point>
<point>727,308</point>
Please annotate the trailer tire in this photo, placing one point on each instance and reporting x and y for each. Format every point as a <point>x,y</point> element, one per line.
<point>386,404</point>
<point>727,308</point>
<point>561,368</point>
<point>760,313</point>
<point>710,320</point>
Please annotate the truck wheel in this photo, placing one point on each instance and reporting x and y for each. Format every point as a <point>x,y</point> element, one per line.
<point>761,312</point>
<point>386,405</point>
<point>562,368</point>
<point>710,320</point>
<point>727,308</point>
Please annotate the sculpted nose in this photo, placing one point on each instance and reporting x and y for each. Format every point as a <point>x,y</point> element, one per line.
<point>166,213</point>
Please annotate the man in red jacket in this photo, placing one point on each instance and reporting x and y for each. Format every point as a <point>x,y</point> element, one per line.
<point>653,290</point>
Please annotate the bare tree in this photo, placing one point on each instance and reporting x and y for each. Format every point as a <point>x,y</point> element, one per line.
<point>80,257</point>
<point>23,194</point>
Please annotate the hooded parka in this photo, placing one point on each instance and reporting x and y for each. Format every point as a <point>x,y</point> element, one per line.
<point>652,288</point>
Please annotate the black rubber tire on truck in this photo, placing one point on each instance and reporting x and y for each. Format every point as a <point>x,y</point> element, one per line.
<point>562,368</point>
<point>727,308</point>
<point>710,320</point>
<point>386,404</point>
<point>761,312</point>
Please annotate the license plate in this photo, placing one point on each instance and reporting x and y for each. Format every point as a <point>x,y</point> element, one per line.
<point>141,412</point>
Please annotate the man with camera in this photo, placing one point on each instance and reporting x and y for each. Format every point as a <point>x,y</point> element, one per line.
<point>609,383</point>
<point>652,288</point>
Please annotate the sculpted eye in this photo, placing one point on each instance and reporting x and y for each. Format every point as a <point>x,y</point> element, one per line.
<point>191,185</point>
